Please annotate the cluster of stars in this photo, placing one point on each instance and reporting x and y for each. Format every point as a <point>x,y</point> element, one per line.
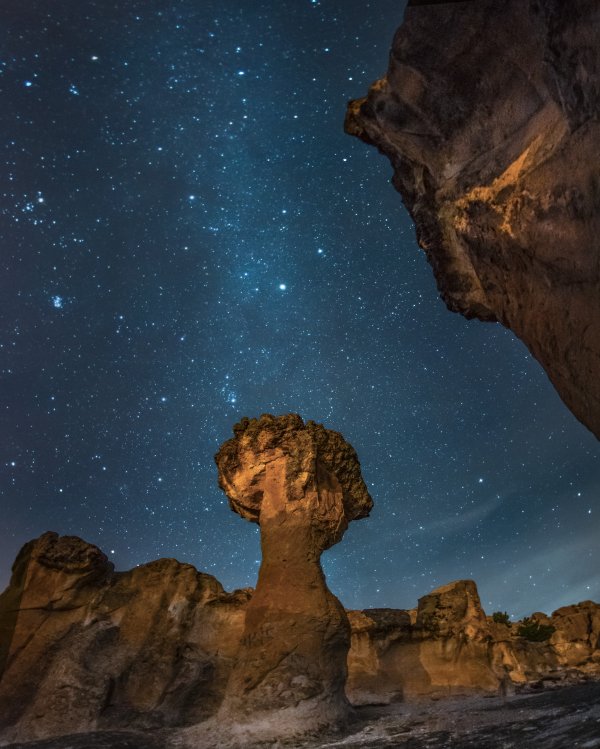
<point>190,238</point>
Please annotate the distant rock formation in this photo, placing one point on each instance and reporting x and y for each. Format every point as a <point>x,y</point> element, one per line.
<point>442,647</point>
<point>83,648</point>
<point>449,646</point>
<point>489,114</point>
<point>302,484</point>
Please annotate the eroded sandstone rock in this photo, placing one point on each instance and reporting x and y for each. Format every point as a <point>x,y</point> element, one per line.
<point>444,650</point>
<point>85,648</point>
<point>489,115</point>
<point>452,647</point>
<point>302,484</point>
<point>577,636</point>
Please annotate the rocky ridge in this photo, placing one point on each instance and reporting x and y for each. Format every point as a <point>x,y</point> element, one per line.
<point>489,114</point>
<point>84,648</point>
<point>448,646</point>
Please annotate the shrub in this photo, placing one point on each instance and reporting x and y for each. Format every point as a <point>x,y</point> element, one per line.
<point>501,617</point>
<point>534,631</point>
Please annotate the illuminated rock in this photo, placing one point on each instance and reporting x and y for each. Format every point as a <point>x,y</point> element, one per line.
<point>302,484</point>
<point>489,115</point>
<point>441,648</point>
<point>83,647</point>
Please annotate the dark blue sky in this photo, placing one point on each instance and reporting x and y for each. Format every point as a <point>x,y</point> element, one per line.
<point>187,238</point>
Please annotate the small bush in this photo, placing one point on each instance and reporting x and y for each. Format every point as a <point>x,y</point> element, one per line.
<point>501,617</point>
<point>534,631</point>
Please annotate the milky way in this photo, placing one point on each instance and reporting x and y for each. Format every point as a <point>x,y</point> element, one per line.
<point>188,237</point>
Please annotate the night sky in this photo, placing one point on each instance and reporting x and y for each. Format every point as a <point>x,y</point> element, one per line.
<point>188,237</point>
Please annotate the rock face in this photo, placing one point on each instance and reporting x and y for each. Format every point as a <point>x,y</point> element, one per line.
<point>84,648</point>
<point>489,115</point>
<point>302,484</point>
<point>441,648</point>
<point>448,646</point>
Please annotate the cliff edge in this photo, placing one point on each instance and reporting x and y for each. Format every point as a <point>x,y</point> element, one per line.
<point>489,115</point>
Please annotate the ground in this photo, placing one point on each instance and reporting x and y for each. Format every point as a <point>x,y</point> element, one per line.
<point>562,718</point>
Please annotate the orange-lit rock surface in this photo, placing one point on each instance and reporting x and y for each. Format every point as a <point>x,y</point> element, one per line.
<point>441,648</point>
<point>83,647</point>
<point>489,115</point>
<point>302,484</point>
<point>449,646</point>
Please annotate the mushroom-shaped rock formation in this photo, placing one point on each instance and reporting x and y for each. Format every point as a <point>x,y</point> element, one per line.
<point>489,113</point>
<point>302,484</point>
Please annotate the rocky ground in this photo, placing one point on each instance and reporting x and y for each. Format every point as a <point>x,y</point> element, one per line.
<point>556,719</point>
<point>562,718</point>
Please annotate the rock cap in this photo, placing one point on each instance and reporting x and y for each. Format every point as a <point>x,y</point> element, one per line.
<point>308,448</point>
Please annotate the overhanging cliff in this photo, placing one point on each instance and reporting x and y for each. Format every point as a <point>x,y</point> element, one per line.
<point>489,115</point>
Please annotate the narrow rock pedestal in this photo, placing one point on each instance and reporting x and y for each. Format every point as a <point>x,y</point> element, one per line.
<point>302,484</point>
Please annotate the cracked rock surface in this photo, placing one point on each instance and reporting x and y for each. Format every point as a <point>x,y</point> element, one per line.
<point>553,719</point>
<point>489,115</point>
<point>302,484</point>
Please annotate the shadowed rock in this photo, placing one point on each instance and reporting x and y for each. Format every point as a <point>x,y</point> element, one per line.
<point>83,647</point>
<point>489,115</point>
<point>302,484</point>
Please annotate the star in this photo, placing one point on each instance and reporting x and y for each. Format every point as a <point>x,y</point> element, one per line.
<point>170,176</point>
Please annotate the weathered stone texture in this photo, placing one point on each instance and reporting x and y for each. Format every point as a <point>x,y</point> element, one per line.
<point>489,114</point>
<point>83,647</point>
<point>87,649</point>
<point>302,484</point>
<point>452,647</point>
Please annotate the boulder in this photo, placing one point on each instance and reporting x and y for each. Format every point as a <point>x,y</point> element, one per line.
<point>577,636</point>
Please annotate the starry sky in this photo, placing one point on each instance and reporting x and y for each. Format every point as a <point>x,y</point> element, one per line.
<point>188,237</point>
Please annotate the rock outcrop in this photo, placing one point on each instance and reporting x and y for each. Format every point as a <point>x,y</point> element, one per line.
<point>441,648</point>
<point>449,646</point>
<point>489,114</point>
<point>302,484</point>
<point>84,648</point>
